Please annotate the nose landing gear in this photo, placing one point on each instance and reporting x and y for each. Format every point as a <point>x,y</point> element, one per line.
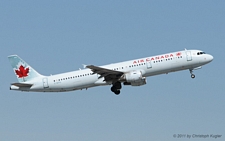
<point>192,75</point>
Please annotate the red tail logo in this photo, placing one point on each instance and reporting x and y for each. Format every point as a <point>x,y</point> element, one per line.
<point>22,72</point>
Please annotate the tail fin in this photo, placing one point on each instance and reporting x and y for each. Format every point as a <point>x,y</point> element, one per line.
<point>23,71</point>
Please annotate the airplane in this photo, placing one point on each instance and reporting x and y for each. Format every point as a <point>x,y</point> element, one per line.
<point>133,72</point>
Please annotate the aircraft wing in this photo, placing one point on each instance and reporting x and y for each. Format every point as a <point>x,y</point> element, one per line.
<point>109,75</point>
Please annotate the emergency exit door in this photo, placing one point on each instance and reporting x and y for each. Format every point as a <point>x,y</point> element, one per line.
<point>148,64</point>
<point>189,57</point>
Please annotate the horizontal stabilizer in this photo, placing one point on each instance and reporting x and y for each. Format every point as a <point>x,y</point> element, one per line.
<point>22,84</point>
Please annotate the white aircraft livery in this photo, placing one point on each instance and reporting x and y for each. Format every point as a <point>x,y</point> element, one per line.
<point>133,72</point>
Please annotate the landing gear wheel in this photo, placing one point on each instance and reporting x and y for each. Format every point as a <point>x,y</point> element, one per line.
<point>192,75</point>
<point>117,92</point>
<point>116,87</point>
<point>113,89</point>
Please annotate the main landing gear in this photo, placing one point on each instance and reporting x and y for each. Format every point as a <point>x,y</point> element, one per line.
<point>116,87</point>
<point>192,75</point>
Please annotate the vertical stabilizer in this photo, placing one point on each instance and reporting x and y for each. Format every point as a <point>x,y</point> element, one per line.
<point>23,71</point>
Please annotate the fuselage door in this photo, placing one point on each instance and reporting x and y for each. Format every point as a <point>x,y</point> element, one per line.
<point>45,82</point>
<point>148,64</point>
<point>189,57</point>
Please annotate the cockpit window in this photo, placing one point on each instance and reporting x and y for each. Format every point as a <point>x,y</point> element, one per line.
<point>200,53</point>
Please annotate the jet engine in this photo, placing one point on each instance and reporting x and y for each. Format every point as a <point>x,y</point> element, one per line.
<point>134,78</point>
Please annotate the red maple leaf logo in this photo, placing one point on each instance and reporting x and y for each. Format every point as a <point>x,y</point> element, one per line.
<point>178,54</point>
<point>22,72</point>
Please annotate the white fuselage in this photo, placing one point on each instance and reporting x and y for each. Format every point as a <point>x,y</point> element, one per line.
<point>149,66</point>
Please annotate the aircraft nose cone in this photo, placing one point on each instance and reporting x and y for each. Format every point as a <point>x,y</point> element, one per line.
<point>210,58</point>
<point>207,58</point>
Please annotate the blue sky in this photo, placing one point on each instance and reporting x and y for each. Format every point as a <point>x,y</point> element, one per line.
<point>57,36</point>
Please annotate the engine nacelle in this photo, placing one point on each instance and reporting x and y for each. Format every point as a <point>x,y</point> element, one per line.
<point>134,78</point>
